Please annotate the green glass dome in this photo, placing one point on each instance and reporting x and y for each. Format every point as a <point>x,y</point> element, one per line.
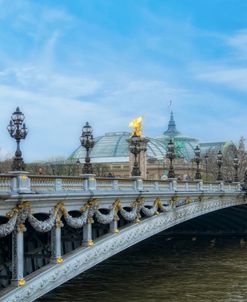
<point>113,147</point>
<point>184,145</point>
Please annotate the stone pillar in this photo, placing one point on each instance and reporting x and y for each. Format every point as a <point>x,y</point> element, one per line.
<point>172,184</point>
<point>87,233</point>
<point>221,185</point>
<point>89,182</point>
<point>20,182</point>
<point>56,251</point>
<point>114,226</point>
<point>18,256</point>
<point>200,185</point>
<point>137,183</point>
<point>58,184</point>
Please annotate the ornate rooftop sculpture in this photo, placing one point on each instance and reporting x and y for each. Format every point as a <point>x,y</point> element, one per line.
<point>136,124</point>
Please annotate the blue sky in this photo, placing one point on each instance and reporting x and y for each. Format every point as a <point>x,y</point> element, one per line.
<point>107,62</point>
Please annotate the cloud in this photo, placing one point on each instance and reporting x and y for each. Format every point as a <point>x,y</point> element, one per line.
<point>67,71</point>
<point>238,42</point>
<point>52,83</point>
<point>234,78</point>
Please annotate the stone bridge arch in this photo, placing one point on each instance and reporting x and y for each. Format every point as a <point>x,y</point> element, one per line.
<point>83,258</point>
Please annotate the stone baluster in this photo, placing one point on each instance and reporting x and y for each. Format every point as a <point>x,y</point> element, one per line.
<point>18,255</point>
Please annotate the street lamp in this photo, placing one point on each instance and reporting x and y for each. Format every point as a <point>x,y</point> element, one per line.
<point>206,164</point>
<point>135,148</point>
<point>78,166</point>
<point>236,166</point>
<point>219,163</point>
<point>87,142</point>
<point>17,130</point>
<point>171,155</point>
<point>197,160</point>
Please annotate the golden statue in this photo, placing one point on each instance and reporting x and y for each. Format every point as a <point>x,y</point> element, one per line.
<point>136,124</point>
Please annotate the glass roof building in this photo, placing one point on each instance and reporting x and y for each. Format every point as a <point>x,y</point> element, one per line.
<point>113,147</point>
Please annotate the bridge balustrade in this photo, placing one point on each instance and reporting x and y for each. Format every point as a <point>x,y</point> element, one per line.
<point>51,184</point>
<point>5,183</point>
<point>43,184</point>
<point>107,184</point>
<point>165,185</point>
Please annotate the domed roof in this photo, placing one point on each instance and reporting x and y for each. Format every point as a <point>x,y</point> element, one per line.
<point>172,129</point>
<point>113,147</point>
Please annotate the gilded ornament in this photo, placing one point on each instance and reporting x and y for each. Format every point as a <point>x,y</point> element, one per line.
<point>188,200</point>
<point>59,260</point>
<point>90,220</point>
<point>22,282</point>
<point>21,228</point>
<point>136,126</point>
<point>90,243</point>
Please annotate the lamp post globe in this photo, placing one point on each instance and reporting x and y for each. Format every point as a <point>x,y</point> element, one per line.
<point>18,130</point>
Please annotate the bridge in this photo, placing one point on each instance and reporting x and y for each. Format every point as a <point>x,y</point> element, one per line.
<point>107,214</point>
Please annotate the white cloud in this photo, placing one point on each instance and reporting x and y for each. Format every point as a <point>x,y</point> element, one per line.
<point>52,83</point>
<point>229,76</point>
<point>238,41</point>
<point>58,97</point>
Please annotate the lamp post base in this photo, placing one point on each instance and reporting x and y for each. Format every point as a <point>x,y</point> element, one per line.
<point>20,182</point>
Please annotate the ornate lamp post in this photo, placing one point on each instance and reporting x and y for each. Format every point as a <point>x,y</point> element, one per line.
<point>87,142</point>
<point>236,166</point>
<point>219,163</point>
<point>244,185</point>
<point>135,148</point>
<point>78,166</point>
<point>171,155</point>
<point>206,165</point>
<point>197,160</point>
<point>17,129</point>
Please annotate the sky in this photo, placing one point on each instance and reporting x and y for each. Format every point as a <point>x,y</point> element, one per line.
<point>109,61</point>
